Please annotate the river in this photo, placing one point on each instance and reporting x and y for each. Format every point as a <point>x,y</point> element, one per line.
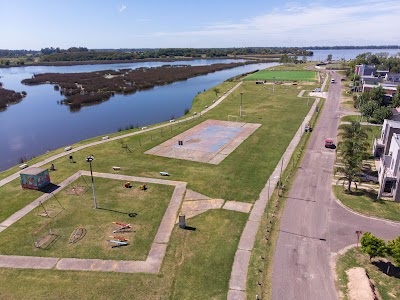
<point>347,54</point>
<point>39,123</point>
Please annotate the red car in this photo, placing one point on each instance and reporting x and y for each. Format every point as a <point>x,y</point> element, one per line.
<point>329,144</point>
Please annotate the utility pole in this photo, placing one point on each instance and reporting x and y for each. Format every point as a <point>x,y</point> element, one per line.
<point>240,109</point>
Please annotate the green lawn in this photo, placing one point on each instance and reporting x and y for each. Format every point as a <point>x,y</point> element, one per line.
<point>197,266</point>
<point>115,203</point>
<point>280,115</point>
<point>365,202</point>
<point>388,285</point>
<point>283,75</point>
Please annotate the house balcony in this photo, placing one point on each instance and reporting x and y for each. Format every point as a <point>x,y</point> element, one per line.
<point>379,147</point>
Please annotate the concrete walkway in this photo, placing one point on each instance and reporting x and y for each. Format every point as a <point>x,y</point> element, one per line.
<point>237,282</point>
<point>67,153</point>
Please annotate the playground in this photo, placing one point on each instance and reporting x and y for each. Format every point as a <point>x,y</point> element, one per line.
<point>209,142</point>
<point>67,225</point>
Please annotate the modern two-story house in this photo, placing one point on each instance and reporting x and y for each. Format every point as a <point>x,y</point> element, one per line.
<point>382,144</point>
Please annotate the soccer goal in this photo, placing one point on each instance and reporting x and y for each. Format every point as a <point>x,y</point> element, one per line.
<point>182,153</point>
<point>232,118</point>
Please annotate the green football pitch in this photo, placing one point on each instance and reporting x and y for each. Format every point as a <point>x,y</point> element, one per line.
<point>283,75</point>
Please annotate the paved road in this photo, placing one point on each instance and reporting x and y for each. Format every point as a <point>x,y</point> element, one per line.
<point>313,224</point>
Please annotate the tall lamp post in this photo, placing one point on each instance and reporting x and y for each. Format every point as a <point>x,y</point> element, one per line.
<point>89,159</point>
<point>273,86</point>
<point>240,110</point>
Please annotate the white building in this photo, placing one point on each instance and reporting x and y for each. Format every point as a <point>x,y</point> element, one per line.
<point>388,172</point>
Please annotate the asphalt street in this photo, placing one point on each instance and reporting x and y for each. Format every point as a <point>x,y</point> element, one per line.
<point>313,224</point>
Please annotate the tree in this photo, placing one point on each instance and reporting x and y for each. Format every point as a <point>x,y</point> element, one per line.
<point>216,91</point>
<point>352,150</point>
<point>396,98</point>
<point>329,58</point>
<point>382,113</point>
<point>393,248</point>
<point>367,108</point>
<point>372,245</point>
<point>284,59</point>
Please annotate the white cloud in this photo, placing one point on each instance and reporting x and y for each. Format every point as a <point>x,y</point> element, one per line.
<point>362,22</point>
<point>122,8</point>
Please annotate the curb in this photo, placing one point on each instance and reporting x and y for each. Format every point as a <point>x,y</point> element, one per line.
<point>396,223</point>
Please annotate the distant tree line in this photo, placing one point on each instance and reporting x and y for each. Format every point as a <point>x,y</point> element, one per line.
<point>74,54</point>
<point>351,47</point>
<point>383,61</point>
<point>16,53</point>
<point>51,50</point>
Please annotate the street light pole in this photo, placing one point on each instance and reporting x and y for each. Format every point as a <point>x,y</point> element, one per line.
<point>273,87</point>
<point>89,159</point>
<point>240,110</point>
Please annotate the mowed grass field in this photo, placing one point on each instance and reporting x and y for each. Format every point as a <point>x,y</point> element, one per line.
<point>270,75</point>
<point>198,263</point>
<point>76,211</point>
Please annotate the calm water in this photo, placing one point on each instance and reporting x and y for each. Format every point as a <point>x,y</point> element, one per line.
<point>347,54</point>
<point>38,123</point>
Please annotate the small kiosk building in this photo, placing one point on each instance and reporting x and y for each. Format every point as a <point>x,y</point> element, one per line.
<point>34,178</point>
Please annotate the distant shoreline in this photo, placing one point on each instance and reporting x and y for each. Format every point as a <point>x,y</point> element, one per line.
<point>109,62</point>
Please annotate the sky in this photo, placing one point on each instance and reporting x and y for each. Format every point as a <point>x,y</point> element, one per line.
<point>27,24</point>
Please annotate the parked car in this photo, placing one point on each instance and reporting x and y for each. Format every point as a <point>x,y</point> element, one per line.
<point>329,144</point>
<point>367,178</point>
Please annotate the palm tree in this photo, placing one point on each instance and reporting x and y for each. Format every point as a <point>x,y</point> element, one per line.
<point>352,150</point>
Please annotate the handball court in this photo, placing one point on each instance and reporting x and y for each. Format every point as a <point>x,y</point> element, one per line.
<point>209,142</point>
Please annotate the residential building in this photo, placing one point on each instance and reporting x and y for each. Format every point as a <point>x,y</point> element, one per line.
<point>388,172</point>
<point>381,144</point>
<point>363,70</point>
<point>369,79</point>
<point>392,77</point>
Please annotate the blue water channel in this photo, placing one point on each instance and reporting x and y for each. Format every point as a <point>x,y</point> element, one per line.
<point>38,123</point>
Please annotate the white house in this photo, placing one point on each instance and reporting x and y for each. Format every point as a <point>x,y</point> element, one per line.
<point>381,144</point>
<point>388,172</point>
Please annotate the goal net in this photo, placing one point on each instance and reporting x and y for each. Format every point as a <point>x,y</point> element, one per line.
<point>232,118</point>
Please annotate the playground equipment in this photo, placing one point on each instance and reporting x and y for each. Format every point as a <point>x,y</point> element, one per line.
<point>121,227</point>
<point>127,185</point>
<point>51,208</point>
<point>117,243</point>
<point>119,238</point>
<point>77,235</point>
<point>43,236</point>
<point>78,187</point>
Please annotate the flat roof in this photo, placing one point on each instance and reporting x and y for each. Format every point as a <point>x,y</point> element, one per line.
<point>33,171</point>
<point>393,124</point>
